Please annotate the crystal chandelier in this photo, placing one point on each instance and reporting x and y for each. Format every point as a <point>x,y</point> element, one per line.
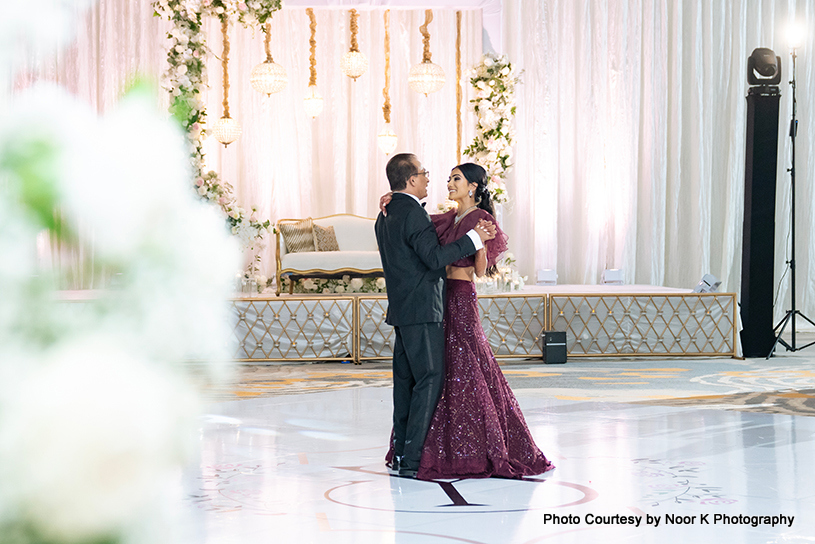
<point>426,77</point>
<point>353,64</point>
<point>313,101</point>
<point>386,139</point>
<point>268,77</point>
<point>226,129</point>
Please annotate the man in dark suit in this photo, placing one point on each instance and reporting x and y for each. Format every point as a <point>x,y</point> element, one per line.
<point>414,265</point>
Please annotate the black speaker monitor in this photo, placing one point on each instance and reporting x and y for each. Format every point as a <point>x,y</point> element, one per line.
<point>758,243</point>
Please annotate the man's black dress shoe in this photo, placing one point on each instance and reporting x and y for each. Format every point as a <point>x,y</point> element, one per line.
<point>408,473</point>
<point>394,464</point>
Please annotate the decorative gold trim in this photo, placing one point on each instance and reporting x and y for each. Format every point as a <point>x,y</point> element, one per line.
<point>278,264</point>
<point>331,271</point>
<point>327,216</point>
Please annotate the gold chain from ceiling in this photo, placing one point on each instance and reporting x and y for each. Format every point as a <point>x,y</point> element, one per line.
<point>428,16</point>
<point>386,109</point>
<point>312,42</point>
<point>225,64</point>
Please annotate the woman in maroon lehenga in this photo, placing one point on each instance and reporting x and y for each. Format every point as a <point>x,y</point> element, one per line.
<point>478,429</point>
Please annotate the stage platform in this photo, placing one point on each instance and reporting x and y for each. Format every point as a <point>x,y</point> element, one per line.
<point>599,321</point>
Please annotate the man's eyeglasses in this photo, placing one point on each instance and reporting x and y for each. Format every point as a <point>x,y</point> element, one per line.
<point>424,172</point>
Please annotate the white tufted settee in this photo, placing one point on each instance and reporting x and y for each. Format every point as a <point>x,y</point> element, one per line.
<point>358,255</point>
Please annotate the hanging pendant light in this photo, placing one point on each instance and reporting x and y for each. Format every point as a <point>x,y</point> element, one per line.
<point>353,64</point>
<point>426,77</point>
<point>268,77</point>
<point>313,101</point>
<point>226,129</point>
<point>386,139</point>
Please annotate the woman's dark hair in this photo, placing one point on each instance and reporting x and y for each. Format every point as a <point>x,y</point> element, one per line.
<point>474,173</point>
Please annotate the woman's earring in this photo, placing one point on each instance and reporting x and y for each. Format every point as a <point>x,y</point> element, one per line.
<point>470,193</point>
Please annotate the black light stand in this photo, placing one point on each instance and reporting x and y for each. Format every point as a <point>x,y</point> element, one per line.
<point>789,319</point>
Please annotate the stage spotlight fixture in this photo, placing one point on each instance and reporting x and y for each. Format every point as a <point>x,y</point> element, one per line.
<point>763,67</point>
<point>708,284</point>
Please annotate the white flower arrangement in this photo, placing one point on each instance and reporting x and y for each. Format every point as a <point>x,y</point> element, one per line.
<point>494,82</point>
<point>185,80</point>
<point>508,278</point>
<point>251,282</point>
<point>73,472</point>
<point>343,285</point>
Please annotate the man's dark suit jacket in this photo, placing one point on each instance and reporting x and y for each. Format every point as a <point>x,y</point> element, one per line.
<point>414,262</point>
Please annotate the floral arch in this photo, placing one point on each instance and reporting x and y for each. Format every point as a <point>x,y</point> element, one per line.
<point>185,80</point>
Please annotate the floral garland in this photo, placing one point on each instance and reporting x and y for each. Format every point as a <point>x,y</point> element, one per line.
<point>185,79</point>
<point>346,284</point>
<point>494,82</point>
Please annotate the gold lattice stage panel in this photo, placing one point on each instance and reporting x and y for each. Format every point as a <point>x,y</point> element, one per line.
<point>513,324</point>
<point>600,321</point>
<point>696,324</point>
<point>292,328</point>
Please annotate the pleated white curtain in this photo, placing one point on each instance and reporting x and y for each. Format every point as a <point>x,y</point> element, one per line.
<point>631,147</point>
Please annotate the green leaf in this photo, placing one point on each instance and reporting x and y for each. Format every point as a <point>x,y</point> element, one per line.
<point>181,109</point>
<point>34,160</point>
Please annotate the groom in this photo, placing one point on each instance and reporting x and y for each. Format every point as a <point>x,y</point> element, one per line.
<point>414,265</point>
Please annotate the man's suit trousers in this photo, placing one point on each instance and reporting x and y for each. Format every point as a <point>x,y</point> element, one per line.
<point>418,376</point>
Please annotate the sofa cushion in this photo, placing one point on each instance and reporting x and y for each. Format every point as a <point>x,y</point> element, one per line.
<point>298,236</point>
<point>353,233</point>
<point>325,239</point>
<point>331,260</point>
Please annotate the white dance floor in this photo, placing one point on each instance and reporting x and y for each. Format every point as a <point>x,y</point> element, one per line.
<point>309,469</point>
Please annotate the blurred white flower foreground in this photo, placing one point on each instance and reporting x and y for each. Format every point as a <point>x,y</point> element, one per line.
<point>95,410</point>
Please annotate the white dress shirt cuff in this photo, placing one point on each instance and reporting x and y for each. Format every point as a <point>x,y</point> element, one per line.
<point>475,238</point>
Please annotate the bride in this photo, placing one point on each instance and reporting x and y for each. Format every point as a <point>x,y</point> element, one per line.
<point>478,430</point>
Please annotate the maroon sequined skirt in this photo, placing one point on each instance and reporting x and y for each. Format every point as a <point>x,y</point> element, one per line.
<point>478,429</point>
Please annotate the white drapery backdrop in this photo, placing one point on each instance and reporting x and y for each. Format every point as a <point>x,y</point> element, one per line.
<point>631,123</point>
<point>291,166</point>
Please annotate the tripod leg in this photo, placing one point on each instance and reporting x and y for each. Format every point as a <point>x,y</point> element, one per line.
<point>778,339</point>
<point>805,317</point>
